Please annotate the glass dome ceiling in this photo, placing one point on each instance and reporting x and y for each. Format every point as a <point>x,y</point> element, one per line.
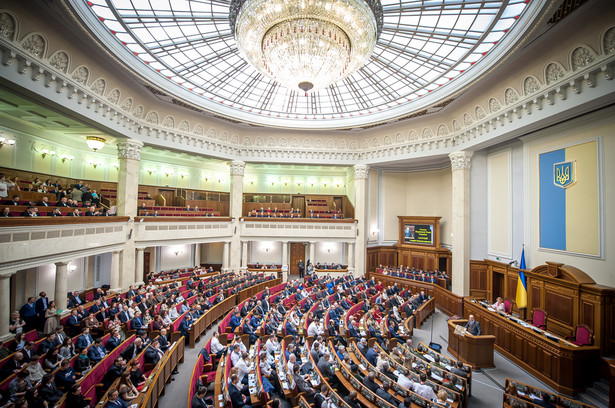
<point>427,51</point>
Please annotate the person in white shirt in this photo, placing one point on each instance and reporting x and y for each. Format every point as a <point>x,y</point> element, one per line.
<point>235,354</point>
<point>499,305</point>
<point>314,329</point>
<point>4,189</point>
<point>265,367</point>
<point>292,359</point>
<point>215,346</point>
<point>243,366</point>
<point>423,389</point>
<point>404,381</point>
<point>173,313</point>
<point>273,346</point>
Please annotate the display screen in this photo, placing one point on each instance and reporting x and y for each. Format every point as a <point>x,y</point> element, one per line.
<point>418,234</point>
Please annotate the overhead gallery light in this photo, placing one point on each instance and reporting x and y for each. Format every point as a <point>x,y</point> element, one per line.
<point>95,142</point>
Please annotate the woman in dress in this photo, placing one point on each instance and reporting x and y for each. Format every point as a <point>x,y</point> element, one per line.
<point>19,343</point>
<point>136,375</point>
<point>52,320</point>
<point>132,392</point>
<point>52,359</point>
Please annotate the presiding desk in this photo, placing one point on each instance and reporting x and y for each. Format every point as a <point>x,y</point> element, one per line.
<point>476,351</point>
<point>562,365</point>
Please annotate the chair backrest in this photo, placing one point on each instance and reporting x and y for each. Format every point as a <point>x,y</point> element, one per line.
<point>583,335</point>
<point>507,306</point>
<point>539,318</point>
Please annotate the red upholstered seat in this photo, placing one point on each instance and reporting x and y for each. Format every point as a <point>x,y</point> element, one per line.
<point>507,306</point>
<point>539,318</point>
<point>583,336</point>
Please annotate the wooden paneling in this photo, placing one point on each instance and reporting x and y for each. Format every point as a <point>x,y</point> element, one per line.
<point>297,252</point>
<point>567,294</point>
<point>566,368</point>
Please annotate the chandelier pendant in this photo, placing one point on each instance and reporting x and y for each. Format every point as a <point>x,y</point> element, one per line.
<point>306,45</point>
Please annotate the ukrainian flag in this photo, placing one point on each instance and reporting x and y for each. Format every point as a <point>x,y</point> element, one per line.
<point>521,297</point>
<point>569,203</point>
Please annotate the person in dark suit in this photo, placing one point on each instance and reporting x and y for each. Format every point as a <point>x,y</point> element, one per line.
<point>185,325</point>
<point>74,300</point>
<point>153,353</point>
<point>370,382</point>
<point>302,385</point>
<point>372,356</point>
<point>384,394</point>
<point>124,316</point>
<point>237,398</point>
<point>473,326</point>
<point>48,390</point>
<point>198,401</point>
<point>28,314</point>
<point>133,350</point>
<point>301,267</point>
<point>114,372</point>
<point>543,401</point>
<point>114,341</point>
<point>44,202</point>
<point>41,305</point>
<point>351,400</point>
<point>14,201</point>
<point>85,340</point>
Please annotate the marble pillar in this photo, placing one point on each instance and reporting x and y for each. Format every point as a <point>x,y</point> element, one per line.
<point>244,256</point>
<point>90,272</point>
<point>225,254</point>
<point>312,253</point>
<point>197,254</point>
<point>139,279</point>
<point>129,155</point>
<point>284,253</point>
<point>237,169</point>
<point>114,282</point>
<point>5,303</point>
<point>61,284</point>
<point>361,173</point>
<point>351,257</point>
<point>460,166</point>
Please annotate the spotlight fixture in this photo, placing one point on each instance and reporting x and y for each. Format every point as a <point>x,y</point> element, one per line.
<point>95,142</point>
<point>306,45</point>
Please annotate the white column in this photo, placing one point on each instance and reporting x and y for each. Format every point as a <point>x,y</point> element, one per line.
<point>361,172</point>
<point>225,254</point>
<point>61,290</point>
<point>115,271</point>
<point>5,303</point>
<point>351,246</point>
<point>237,169</point>
<point>89,271</point>
<point>139,266</point>
<point>460,166</point>
<point>312,253</point>
<point>244,255</point>
<point>197,254</point>
<point>129,155</point>
<point>285,253</point>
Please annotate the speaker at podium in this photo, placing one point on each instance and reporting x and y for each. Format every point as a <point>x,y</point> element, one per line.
<point>476,351</point>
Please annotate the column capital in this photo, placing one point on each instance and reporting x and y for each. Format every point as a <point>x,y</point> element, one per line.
<point>237,167</point>
<point>361,171</point>
<point>58,264</point>
<point>6,275</point>
<point>129,149</point>
<point>461,160</point>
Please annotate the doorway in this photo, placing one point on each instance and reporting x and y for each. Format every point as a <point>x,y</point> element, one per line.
<point>299,202</point>
<point>338,204</point>
<point>297,252</point>
<point>168,196</point>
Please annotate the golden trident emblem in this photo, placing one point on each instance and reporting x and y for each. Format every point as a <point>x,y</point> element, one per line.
<point>565,174</point>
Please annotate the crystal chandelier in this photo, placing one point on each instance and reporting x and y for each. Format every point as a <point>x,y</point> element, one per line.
<point>306,44</point>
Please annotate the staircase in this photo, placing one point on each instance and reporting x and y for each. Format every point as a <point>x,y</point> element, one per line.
<point>597,395</point>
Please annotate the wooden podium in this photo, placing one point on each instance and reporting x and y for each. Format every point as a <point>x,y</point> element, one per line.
<point>476,351</point>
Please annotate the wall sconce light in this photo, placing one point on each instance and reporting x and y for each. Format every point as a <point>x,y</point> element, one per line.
<point>267,249</point>
<point>167,172</point>
<point>116,166</point>
<point>71,267</point>
<point>182,175</point>
<point>150,171</point>
<point>325,184</point>
<point>65,157</point>
<point>95,164</point>
<point>179,251</point>
<point>45,152</point>
<point>329,250</point>
<point>5,141</point>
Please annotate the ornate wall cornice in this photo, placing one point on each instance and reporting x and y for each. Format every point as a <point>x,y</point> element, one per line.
<point>27,63</point>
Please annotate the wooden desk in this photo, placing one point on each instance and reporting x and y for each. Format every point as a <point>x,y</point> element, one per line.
<point>476,351</point>
<point>561,365</point>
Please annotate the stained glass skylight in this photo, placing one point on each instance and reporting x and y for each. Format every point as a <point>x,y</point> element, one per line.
<point>426,50</point>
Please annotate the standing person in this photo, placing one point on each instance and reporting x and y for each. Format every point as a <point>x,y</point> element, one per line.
<point>41,307</point>
<point>301,267</point>
<point>52,320</point>
<point>28,314</point>
<point>473,326</point>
